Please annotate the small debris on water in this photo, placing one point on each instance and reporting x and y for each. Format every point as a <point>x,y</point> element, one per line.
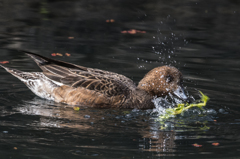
<point>4,62</point>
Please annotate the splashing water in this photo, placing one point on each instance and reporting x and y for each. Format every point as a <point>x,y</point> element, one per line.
<point>161,104</point>
<point>167,109</point>
<point>168,113</point>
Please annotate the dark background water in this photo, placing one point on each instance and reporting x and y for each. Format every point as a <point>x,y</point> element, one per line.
<point>201,38</point>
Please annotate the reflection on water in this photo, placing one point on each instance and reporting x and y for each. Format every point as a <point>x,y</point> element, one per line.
<point>130,38</point>
<point>45,124</point>
<point>140,128</point>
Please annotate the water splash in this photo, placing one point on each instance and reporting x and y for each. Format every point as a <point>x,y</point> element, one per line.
<point>161,104</point>
<point>170,116</point>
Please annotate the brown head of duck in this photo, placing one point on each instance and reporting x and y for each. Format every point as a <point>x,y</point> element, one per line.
<point>159,82</point>
<point>162,81</point>
<point>77,85</point>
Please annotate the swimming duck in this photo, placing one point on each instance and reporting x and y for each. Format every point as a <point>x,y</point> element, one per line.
<point>77,85</point>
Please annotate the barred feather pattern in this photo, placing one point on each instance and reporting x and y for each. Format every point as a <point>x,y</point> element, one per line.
<point>38,83</point>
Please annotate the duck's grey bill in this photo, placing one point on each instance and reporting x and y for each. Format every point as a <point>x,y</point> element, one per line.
<point>179,92</point>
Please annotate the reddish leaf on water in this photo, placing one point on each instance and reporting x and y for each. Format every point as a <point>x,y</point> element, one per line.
<point>67,54</point>
<point>196,145</point>
<point>54,54</point>
<point>215,144</point>
<point>4,62</point>
<point>124,31</point>
<point>110,20</point>
<point>59,54</point>
<point>133,31</point>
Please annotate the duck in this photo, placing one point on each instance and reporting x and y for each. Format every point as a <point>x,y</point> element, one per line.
<point>77,85</point>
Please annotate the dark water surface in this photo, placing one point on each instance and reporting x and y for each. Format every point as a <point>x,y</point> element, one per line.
<point>201,38</point>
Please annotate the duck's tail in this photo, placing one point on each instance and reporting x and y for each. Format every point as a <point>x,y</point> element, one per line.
<point>37,82</point>
<point>17,73</point>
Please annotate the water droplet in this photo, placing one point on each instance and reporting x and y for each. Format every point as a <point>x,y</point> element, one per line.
<point>128,115</point>
<point>86,116</point>
<point>222,111</point>
<point>211,111</point>
<point>135,110</point>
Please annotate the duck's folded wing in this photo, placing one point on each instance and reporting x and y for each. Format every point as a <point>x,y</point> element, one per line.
<point>107,86</point>
<point>108,83</point>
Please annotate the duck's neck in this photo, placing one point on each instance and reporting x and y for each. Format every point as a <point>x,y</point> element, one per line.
<point>140,99</point>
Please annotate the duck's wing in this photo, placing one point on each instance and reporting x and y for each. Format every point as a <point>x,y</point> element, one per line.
<point>108,83</point>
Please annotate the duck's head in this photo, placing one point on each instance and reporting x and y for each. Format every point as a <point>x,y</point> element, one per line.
<point>162,81</point>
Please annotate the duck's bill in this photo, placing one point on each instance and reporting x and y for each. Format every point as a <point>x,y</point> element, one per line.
<point>179,92</point>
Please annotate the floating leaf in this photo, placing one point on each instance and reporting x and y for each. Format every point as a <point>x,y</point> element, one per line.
<point>4,62</point>
<point>132,31</point>
<point>124,31</point>
<point>67,54</point>
<point>76,108</point>
<point>59,54</point>
<point>196,145</point>
<point>215,144</point>
<point>54,54</point>
<point>110,20</point>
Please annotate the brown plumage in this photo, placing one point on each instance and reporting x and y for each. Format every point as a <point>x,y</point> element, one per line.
<point>78,85</point>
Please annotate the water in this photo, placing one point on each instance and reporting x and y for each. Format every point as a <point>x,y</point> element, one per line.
<point>201,38</point>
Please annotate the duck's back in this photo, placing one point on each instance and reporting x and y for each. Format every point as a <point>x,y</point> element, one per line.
<point>86,86</point>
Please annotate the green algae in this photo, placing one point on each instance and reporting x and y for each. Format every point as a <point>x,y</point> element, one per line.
<point>170,112</point>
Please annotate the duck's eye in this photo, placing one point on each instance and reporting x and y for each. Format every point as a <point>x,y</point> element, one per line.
<point>169,79</point>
